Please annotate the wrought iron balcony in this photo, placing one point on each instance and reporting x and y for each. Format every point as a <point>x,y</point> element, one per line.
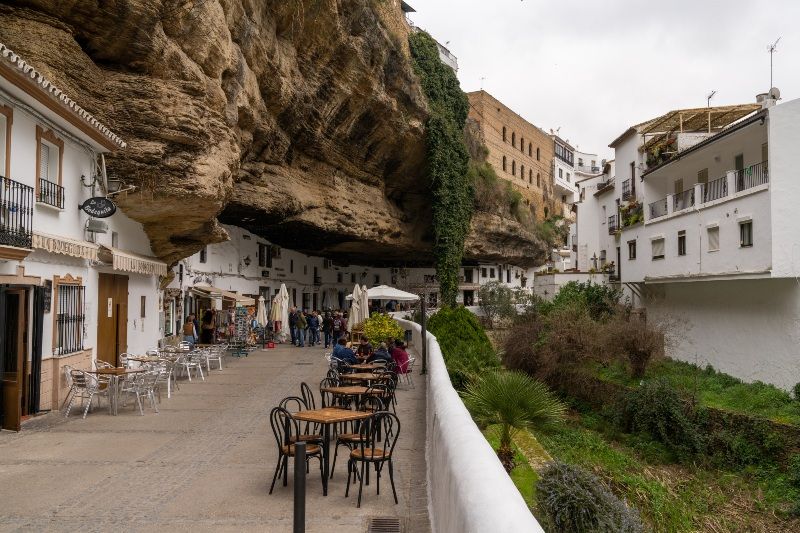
<point>658,208</point>
<point>16,214</point>
<point>715,189</point>
<point>51,193</point>
<point>317,281</point>
<point>627,189</point>
<point>683,200</point>
<point>613,224</point>
<point>752,176</point>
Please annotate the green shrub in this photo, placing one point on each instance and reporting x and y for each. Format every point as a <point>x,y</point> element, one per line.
<point>380,327</point>
<point>466,349</point>
<point>796,391</point>
<point>496,300</point>
<point>658,410</point>
<point>601,300</point>
<point>576,501</point>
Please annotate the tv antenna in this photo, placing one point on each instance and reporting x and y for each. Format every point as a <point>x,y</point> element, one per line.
<point>482,80</point>
<point>709,97</point>
<point>772,49</point>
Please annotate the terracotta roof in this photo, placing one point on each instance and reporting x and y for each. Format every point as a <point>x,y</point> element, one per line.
<point>9,57</point>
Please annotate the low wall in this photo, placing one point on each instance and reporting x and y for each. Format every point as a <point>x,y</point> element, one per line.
<point>468,489</point>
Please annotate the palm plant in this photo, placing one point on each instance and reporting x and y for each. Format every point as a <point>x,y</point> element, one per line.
<point>514,401</point>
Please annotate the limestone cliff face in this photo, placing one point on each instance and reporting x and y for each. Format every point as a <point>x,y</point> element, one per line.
<point>300,120</point>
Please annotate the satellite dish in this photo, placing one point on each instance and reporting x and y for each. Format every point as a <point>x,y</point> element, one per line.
<point>774,93</point>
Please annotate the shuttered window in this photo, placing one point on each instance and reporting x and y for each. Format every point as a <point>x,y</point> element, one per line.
<point>713,239</point>
<point>658,248</point>
<point>44,161</point>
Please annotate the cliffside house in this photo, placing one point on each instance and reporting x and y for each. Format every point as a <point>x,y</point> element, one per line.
<point>73,287</point>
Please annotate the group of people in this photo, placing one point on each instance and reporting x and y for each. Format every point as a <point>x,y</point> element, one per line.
<point>364,353</point>
<point>308,328</point>
<point>203,331</point>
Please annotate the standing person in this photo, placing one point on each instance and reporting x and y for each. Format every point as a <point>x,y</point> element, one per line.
<point>189,333</point>
<point>344,323</point>
<point>313,329</point>
<point>293,324</point>
<point>327,328</point>
<point>301,329</point>
<point>196,326</point>
<point>338,327</point>
<point>207,328</point>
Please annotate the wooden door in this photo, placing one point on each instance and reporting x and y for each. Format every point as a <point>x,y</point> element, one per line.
<point>12,357</point>
<point>112,317</point>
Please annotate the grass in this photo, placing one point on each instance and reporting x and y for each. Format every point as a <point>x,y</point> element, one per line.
<point>676,498</point>
<point>523,476</point>
<point>716,389</point>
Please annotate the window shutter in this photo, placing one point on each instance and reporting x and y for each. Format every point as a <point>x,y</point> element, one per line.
<point>44,161</point>
<point>713,239</point>
<point>658,248</point>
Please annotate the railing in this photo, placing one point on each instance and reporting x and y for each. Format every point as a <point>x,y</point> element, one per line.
<point>752,176</point>
<point>613,224</point>
<point>627,189</point>
<point>468,489</point>
<point>16,213</point>
<point>317,281</point>
<point>683,200</point>
<point>658,208</point>
<point>716,189</point>
<point>51,193</point>
<point>595,169</point>
<point>603,184</point>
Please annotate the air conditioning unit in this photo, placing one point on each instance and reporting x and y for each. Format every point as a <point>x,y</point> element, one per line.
<point>96,226</point>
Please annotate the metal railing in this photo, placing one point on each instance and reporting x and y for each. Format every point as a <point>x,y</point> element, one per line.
<point>627,189</point>
<point>317,281</point>
<point>752,176</point>
<point>716,189</point>
<point>613,224</point>
<point>70,319</point>
<point>16,213</point>
<point>51,193</point>
<point>658,208</point>
<point>683,200</point>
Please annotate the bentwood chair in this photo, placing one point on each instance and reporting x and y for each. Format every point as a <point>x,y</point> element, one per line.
<point>297,404</point>
<point>378,438</point>
<point>286,430</point>
<point>308,396</point>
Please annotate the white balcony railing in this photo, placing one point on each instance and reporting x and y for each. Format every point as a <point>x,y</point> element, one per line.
<point>683,200</point>
<point>658,208</point>
<point>716,189</point>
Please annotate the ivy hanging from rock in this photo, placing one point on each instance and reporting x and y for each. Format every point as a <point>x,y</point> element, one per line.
<point>452,191</point>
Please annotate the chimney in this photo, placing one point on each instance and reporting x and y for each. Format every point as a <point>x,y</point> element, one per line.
<point>768,99</point>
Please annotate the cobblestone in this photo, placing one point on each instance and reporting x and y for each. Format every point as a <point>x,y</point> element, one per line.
<point>203,463</point>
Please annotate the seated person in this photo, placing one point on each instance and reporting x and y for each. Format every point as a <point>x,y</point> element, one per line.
<point>343,353</point>
<point>364,348</point>
<point>400,357</point>
<point>380,355</point>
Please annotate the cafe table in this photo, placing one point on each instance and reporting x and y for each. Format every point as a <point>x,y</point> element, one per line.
<point>116,375</point>
<point>326,417</point>
<point>146,358</point>
<point>364,376</point>
<point>367,366</point>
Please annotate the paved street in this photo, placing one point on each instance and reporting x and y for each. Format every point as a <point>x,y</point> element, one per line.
<point>204,463</point>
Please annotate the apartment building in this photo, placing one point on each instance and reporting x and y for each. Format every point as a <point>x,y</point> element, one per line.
<point>707,236</point>
<point>77,280</point>
<point>520,153</point>
<point>564,177</point>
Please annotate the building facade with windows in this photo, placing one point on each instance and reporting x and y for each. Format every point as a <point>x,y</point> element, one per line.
<point>73,287</point>
<point>714,247</point>
<point>564,176</point>
<point>519,152</point>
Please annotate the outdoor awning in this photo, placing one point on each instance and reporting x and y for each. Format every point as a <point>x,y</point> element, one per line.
<point>240,299</point>
<point>131,262</point>
<point>62,245</point>
<point>207,291</point>
<point>384,292</point>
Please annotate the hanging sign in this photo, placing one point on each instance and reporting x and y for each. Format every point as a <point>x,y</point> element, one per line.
<point>98,207</point>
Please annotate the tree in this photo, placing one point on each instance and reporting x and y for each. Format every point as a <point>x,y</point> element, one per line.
<point>496,301</point>
<point>515,401</point>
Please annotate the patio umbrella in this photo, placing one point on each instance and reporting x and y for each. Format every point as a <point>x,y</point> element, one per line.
<point>261,316</point>
<point>364,304</point>
<point>283,313</point>
<point>384,292</point>
<point>355,307</point>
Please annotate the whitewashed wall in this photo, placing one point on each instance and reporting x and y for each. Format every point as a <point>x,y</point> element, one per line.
<point>784,140</point>
<point>747,328</point>
<point>468,489</point>
<point>547,285</point>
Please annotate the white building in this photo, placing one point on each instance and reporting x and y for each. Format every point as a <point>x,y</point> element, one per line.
<point>564,174</point>
<point>718,248</point>
<point>67,294</point>
<point>445,54</point>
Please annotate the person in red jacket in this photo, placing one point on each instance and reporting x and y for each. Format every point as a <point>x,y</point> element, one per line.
<point>400,357</point>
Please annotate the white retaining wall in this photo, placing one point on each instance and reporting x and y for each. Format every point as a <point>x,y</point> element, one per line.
<point>468,489</point>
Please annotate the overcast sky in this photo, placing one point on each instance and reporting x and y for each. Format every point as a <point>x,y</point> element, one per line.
<point>596,67</point>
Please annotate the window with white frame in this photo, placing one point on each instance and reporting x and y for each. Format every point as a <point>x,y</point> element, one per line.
<point>713,238</point>
<point>681,243</point>
<point>631,250</point>
<point>746,233</point>
<point>657,248</point>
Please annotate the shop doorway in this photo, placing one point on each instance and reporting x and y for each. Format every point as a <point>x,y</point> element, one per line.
<point>112,317</point>
<point>13,360</point>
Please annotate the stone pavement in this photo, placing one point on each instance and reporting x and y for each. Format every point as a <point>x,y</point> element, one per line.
<point>204,463</point>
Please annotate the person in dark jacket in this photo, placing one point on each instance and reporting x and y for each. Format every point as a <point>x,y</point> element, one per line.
<point>343,353</point>
<point>293,324</point>
<point>327,328</point>
<point>301,324</point>
<point>313,329</point>
<point>380,355</point>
